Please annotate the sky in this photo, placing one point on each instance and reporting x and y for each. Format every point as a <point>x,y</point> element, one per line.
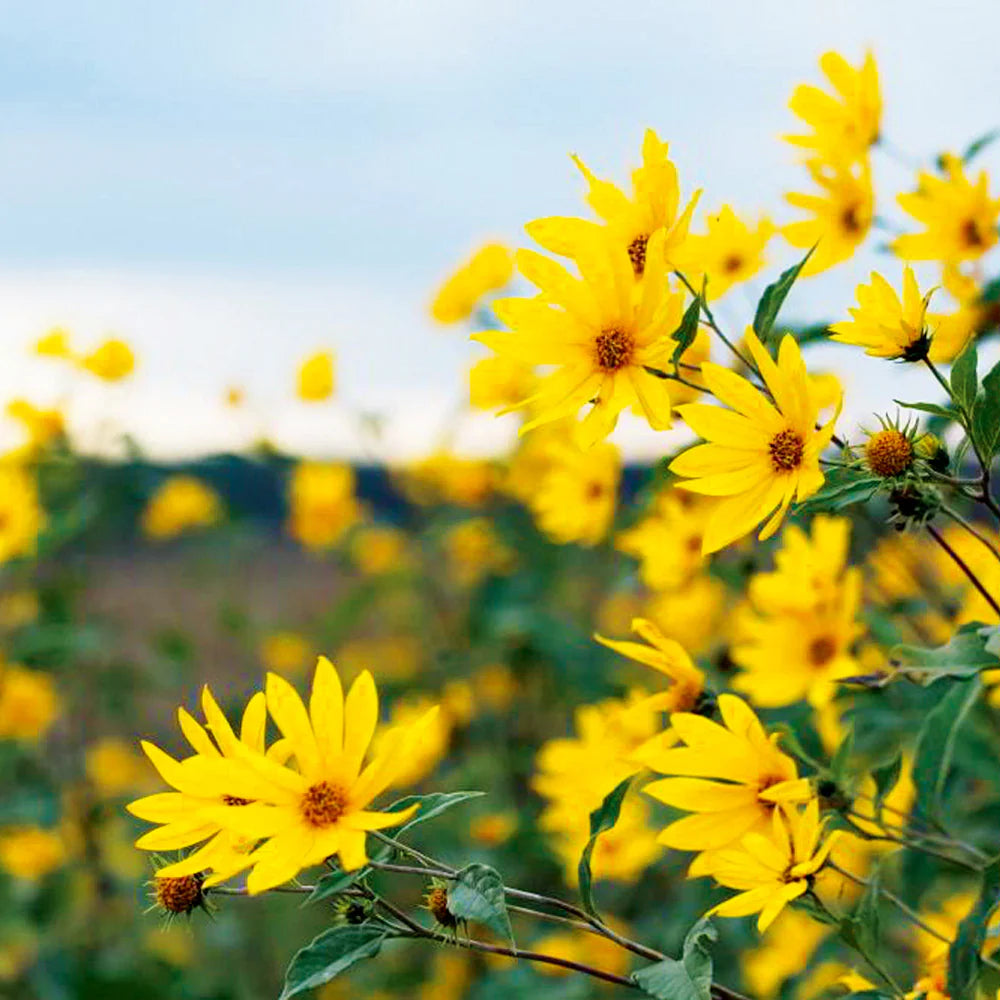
<point>229,187</point>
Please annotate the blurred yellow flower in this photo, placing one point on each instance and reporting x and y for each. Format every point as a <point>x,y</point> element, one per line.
<point>629,223</point>
<point>112,361</point>
<point>692,614</point>
<point>473,549</point>
<point>450,977</point>
<point>43,427</point>
<point>493,829</point>
<point>424,756</point>
<point>21,514</point>
<point>884,325</point>
<point>316,378</point>
<point>445,477</point>
<point>30,852</point>
<point>29,702</point>
<point>729,253</point>
<point>54,344</point>
<point>844,124</point>
<point>761,454</point>
<point>495,687</point>
<point>487,270</point>
<point>181,503</point>
<point>285,652</point>
<point>322,504</point>
<point>497,382</point>
<point>114,767</point>
<point>951,331</point>
<point>784,951</point>
<point>842,214</point>
<point>575,499</point>
<point>379,548</point>
<point>959,217</point>
<point>589,949</point>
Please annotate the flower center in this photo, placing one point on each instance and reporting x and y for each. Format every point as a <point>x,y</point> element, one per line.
<point>613,349</point>
<point>850,219</point>
<point>822,650</point>
<point>323,804</point>
<point>594,490</point>
<point>732,263</point>
<point>786,450</point>
<point>889,453</point>
<point>972,235</point>
<point>179,895</point>
<point>637,254</point>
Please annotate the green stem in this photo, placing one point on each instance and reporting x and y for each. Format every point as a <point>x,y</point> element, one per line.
<point>710,319</point>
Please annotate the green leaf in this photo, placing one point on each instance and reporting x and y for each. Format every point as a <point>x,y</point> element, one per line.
<point>335,882</point>
<point>477,894</point>
<point>963,376</point>
<point>774,297</point>
<point>840,763</point>
<point>991,634</point>
<point>686,978</point>
<point>330,954</point>
<point>885,778</point>
<point>431,805</point>
<point>978,145</point>
<point>602,819</point>
<point>866,916</point>
<point>964,962</point>
<point>687,331</point>
<point>963,656</point>
<point>936,745</point>
<point>837,495</point>
<point>986,414</point>
<point>938,411</point>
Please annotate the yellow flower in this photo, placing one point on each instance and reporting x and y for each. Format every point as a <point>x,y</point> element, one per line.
<point>762,454</point>
<point>843,213</point>
<point>315,811</point>
<point>316,379</point>
<point>599,332</point>
<point>379,548</point>
<point>629,223</point>
<point>495,687</point>
<point>43,427</point>
<point>449,478</point>
<point>54,344</point>
<point>788,657</point>
<point>498,382</point>
<point>687,682</point>
<point>729,775</point>
<point>667,542</point>
<point>846,123</point>
<point>473,549</point>
<point>885,326</point>
<point>693,614</point>
<point>731,252</point>
<point>489,269</point>
<point>980,560</point>
<point>114,767</point>
<point>575,499</point>
<point>322,504</point>
<point>180,504</point>
<point>771,869</point>
<point>944,917</point>
<point>959,217</point>
<point>785,951</point>
<point>285,652</point>
<point>112,361</point>
<point>29,702</point>
<point>21,514</point>
<point>493,829</point>
<point>30,852</point>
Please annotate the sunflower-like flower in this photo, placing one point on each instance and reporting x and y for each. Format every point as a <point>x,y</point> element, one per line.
<point>601,332</point>
<point>629,222</point>
<point>774,867</point>
<point>760,453</point>
<point>306,814</point>
<point>842,213</point>
<point>730,776</point>
<point>885,325</point>
<point>846,122</point>
<point>959,217</point>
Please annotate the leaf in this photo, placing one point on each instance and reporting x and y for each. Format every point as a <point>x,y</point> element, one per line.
<point>978,145</point>
<point>936,745</point>
<point>329,954</point>
<point>866,916</point>
<point>964,962</point>
<point>687,331</point>
<point>885,778</point>
<point>992,636</point>
<point>986,414</point>
<point>430,806</point>
<point>840,763</point>
<point>963,376</point>
<point>963,656</point>
<point>937,411</point>
<point>836,495</point>
<point>333,883</point>
<point>774,297</point>
<point>686,978</point>
<point>602,819</point>
<point>477,894</point>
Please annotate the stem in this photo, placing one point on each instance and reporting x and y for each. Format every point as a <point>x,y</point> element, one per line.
<point>710,319</point>
<point>964,567</point>
<point>932,851</point>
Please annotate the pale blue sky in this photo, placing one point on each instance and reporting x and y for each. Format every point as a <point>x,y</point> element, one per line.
<point>229,185</point>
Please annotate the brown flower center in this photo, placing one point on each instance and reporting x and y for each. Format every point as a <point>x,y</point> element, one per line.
<point>850,220</point>
<point>822,650</point>
<point>323,804</point>
<point>786,448</point>
<point>732,263</point>
<point>889,453</point>
<point>637,254</point>
<point>179,895</point>
<point>613,349</point>
<point>972,235</point>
